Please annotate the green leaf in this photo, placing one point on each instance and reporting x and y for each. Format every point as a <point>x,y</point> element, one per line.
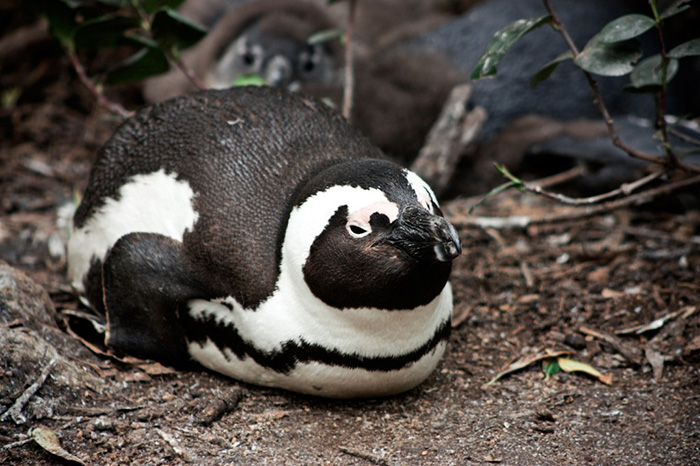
<point>668,8</point>
<point>502,41</point>
<point>147,62</point>
<point>625,28</point>
<point>172,30</point>
<point>103,32</point>
<point>609,59</point>
<point>550,367</point>
<point>686,49</point>
<point>647,77</point>
<point>325,36</point>
<point>548,68</point>
<point>249,80</point>
<point>61,16</point>
<point>150,6</point>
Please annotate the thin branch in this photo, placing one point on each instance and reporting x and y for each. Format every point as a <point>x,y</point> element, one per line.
<point>455,216</point>
<point>660,122</point>
<point>609,123</point>
<point>624,189</point>
<point>187,71</point>
<point>349,89</point>
<point>684,137</point>
<point>545,182</point>
<point>15,411</point>
<point>101,99</point>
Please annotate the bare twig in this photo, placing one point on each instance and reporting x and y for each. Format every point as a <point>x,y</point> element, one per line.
<point>684,137</point>
<point>360,454</point>
<point>624,189</point>
<point>18,443</point>
<point>609,123</point>
<point>175,445</point>
<point>187,71</point>
<point>15,410</point>
<point>459,219</point>
<point>349,89</point>
<point>101,99</point>
<point>631,353</point>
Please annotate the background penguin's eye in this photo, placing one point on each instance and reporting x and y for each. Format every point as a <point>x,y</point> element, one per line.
<point>308,66</point>
<point>357,231</point>
<point>248,58</point>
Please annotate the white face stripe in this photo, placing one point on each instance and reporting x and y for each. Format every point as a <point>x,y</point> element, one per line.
<point>308,220</point>
<point>152,203</point>
<point>425,195</point>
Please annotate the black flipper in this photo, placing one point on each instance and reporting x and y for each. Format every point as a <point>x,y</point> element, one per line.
<point>146,283</point>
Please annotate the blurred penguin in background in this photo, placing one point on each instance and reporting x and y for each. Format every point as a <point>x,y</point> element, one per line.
<point>399,91</point>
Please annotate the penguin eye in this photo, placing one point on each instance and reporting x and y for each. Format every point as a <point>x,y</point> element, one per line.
<point>248,58</point>
<point>356,231</point>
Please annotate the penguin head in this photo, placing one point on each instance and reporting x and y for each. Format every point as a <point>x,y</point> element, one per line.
<point>371,235</point>
<point>275,48</point>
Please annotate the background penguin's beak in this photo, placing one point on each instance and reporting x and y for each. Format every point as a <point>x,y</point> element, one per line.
<point>424,237</point>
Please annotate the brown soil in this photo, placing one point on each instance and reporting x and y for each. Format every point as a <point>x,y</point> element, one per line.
<point>569,286</point>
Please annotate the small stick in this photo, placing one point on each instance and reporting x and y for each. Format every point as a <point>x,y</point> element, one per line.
<point>362,455</point>
<point>349,89</point>
<point>15,410</point>
<point>522,221</point>
<point>188,72</point>
<point>624,189</point>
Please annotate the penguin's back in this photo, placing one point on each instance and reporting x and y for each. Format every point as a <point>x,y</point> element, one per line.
<point>239,156</point>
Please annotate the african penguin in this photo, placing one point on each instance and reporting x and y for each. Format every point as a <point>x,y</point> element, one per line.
<point>266,38</point>
<point>255,232</point>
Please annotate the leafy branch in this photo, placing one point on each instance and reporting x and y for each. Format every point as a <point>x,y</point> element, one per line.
<point>152,30</point>
<point>611,52</point>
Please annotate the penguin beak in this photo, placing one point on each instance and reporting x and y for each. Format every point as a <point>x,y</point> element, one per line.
<point>424,237</point>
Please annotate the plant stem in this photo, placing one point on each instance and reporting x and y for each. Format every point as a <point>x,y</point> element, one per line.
<point>609,123</point>
<point>187,71</point>
<point>349,88</point>
<point>99,96</point>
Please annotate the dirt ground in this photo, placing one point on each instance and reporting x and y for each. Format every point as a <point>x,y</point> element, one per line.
<point>619,291</point>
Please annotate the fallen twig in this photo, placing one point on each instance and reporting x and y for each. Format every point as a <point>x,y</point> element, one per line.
<point>175,445</point>
<point>360,454</point>
<point>658,323</point>
<point>624,189</point>
<point>15,410</point>
<point>459,219</point>
<point>630,353</point>
<point>18,443</point>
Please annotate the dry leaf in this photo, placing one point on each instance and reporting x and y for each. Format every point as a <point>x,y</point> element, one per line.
<point>47,440</point>
<point>569,365</point>
<point>525,362</point>
<point>154,368</point>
